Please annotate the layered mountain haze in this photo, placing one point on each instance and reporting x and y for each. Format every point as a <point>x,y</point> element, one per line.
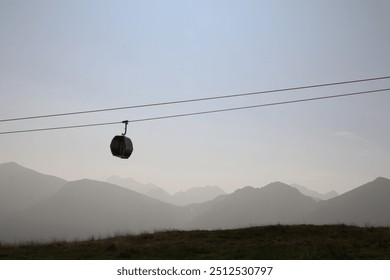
<point>38,207</point>
<point>197,195</point>
<point>86,208</point>
<point>149,189</point>
<point>366,205</point>
<point>316,195</point>
<point>192,195</point>
<point>272,204</point>
<point>21,188</point>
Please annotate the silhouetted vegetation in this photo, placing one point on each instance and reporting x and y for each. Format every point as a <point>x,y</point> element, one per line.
<point>268,242</point>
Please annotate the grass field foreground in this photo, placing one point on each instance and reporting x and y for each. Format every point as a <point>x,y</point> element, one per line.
<point>267,242</point>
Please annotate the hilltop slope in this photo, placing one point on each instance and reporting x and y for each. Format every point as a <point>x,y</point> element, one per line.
<point>272,204</point>
<point>21,188</point>
<point>368,204</point>
<point>86,208</point>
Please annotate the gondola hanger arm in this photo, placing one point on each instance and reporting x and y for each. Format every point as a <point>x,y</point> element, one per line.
<point>126,122</point>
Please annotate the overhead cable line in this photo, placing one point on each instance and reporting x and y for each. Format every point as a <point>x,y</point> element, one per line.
<point>202,112</point>
<point>192,100</point>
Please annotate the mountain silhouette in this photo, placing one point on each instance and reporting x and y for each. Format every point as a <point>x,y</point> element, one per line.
<point>368,204</point>
<point>196,209</point>
<point>316,195</point>
<point>21,188</point>
<point>39,207</point>
<point>272,204</point>
<point>149,189</point>
<point>193,195</point>
<point>197,195</point>
<point>86,208</point>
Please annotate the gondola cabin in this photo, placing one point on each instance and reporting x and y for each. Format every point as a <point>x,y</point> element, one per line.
<point>121,147</point>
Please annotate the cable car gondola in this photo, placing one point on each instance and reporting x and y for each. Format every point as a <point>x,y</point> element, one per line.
<point>121,146</point>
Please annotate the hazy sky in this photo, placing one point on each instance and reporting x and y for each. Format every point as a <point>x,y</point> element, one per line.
<point>60,56</point>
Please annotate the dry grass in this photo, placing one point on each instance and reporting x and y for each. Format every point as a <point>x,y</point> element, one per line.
<point>268,242</point>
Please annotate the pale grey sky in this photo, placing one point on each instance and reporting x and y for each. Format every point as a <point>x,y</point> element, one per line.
<point>59,56</point>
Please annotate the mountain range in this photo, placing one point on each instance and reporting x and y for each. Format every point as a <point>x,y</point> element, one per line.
<point>21,188</point>
<point>368,204</point>
<point>193,195</point>
<point>86,208</point>
<point>38,207</point>
<point>272,204</point>
<point>316,195</point>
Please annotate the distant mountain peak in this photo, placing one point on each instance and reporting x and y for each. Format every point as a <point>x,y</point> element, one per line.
<point>367,204</point>
<point>10,168</point>
<point>381,179</point>
<point>279,185</point>
<point>280,188</point>
<point>11,164</point>
<point>274,203</point>
<point>197,195</point>
<point>244,190</point>
<point>277,188</point>
<point>314,194</point>
<point>21,187</point>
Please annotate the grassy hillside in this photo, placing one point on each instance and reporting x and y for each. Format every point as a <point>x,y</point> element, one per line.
<point>269,242</point>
